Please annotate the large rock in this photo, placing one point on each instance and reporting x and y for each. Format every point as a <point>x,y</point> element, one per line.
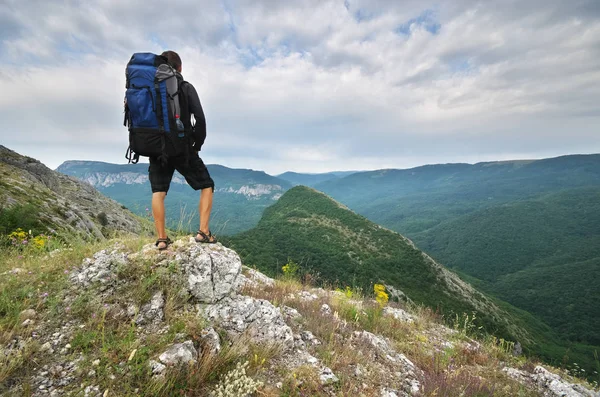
<point>211,270</point>
<point>101,268</point>
<point>152,312</point>
<point>261,320</point>
<point>179,353</point>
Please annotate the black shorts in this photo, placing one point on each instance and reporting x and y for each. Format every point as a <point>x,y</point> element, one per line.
<point>194,172</point>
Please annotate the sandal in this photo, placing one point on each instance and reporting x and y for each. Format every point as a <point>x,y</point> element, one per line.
<point>206,238</point>
<point>167,242</point>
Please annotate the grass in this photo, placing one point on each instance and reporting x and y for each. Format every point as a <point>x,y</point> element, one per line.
<point>454,362</point>
<point>114,352</point>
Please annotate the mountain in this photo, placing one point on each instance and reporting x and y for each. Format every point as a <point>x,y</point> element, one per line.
<point>527,252</point>
<point>296,178</point>
<point>36,198</point>
<point>417,199</point>
<point>240,194</point>
<point>527,232</point>
<point>345,249</point>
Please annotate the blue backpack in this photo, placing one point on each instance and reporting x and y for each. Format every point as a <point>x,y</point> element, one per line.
<point>152,109</point>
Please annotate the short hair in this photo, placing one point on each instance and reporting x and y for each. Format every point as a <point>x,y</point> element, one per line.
<point>173,58</point>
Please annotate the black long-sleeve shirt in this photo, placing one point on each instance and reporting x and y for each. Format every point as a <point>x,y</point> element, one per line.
<point>192,102</point>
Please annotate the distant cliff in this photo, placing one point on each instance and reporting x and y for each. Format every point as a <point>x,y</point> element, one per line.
<point>241,194</point>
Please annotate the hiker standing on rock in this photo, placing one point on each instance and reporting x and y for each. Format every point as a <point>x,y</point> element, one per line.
<point>193,169</point>
<point>159,105</point>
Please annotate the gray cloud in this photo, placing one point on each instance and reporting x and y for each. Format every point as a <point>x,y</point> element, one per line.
<point>313,85</point>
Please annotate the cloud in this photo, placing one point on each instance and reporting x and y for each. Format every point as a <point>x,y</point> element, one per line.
<point>312,85</point>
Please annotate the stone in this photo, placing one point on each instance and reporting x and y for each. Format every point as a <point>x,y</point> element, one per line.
<point>327,376</point>
<point>254,279</point>
<point>132,310</point>
<point>27,314</point>
<point>308,337</point>
<point>290,313</point>
<point>101,269</point>
<point>548,383</point>
<point>396,294</point>
<point>179,353</point>
<point>258,317</point>
<point>325,309</point>
<point>398,314</point>
<point>27,323</point>
<point>211,270</point>
<point>517,349</point>
<point>298,342</point>
<point>409,371</point>
<point>385,392</point>
<point>211,340</point>
<point>152,312</point>
<point>555,386</point>
<point>359,371</point>
<point>306,296</point>
<point>47,348</point>
<point>156,367</point>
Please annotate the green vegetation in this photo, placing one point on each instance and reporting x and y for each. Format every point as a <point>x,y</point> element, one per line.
<point>525,231</point>
<point>538,254</point>
<point>345,249</point>
<point>20,216</point>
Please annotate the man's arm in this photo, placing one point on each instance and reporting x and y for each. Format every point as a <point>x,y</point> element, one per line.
<point>196,110</point>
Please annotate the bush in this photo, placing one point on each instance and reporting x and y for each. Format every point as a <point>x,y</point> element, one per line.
<point>25,217</point>
<point>102,218</point>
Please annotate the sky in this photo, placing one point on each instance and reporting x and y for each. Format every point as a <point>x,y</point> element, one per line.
<point>312,85</point>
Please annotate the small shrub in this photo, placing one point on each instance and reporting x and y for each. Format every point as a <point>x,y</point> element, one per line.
<point>102,218</point>
<point>380,295</point>
<point>290,269</point>
<point>236,383</point>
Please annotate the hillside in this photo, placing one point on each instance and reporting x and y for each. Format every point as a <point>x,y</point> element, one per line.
<point>345,249</point>
<point>414,200</point>
<point>520,230</point>
<point>36,198</point>
<point>240,195</point>
<point>120,318</point>
<point>528,250</point>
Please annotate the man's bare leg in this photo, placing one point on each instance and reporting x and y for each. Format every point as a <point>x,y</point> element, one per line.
<point>158,212</point>
<point>204,209</point>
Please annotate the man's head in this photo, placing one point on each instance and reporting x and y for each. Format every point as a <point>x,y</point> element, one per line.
<point>173,59</point>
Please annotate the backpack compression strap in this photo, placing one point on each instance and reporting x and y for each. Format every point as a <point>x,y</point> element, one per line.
<point>131,156</point>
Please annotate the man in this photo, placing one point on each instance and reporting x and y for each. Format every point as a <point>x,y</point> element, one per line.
<point>191,167</point>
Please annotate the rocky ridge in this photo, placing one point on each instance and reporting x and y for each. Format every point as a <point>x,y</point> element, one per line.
<point>64,203</point>
<point>225,307</point>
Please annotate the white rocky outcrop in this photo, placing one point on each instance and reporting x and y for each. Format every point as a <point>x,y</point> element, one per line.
<point>101,268</point>
<point>408,371</point>
<point>210,270</point>
<point>152,312</point>
<point>548,383</point>
<point>257,318</point>
<point>398,314</point>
